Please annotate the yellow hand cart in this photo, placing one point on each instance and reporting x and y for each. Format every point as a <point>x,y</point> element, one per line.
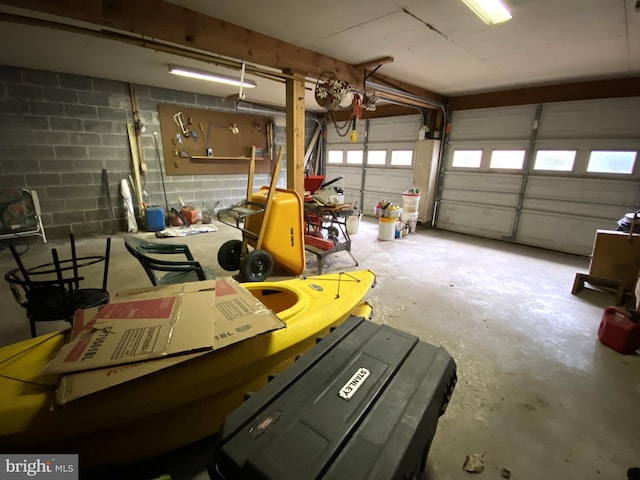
<point>272,224</point>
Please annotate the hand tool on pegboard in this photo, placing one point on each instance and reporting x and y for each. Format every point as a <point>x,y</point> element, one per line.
<point>182,125</point>
<point>208,148</point>
<point>192,130</point>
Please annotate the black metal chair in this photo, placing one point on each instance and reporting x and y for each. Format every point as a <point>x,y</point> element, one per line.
<point>53,291</point>
<point>165,272</point>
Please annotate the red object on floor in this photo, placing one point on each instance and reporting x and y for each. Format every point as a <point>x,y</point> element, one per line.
<point>318,242</point>
<point>618,331</point>
<point>190,213</point>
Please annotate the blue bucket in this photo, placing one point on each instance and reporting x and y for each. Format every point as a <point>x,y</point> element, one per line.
<point>154,217</point>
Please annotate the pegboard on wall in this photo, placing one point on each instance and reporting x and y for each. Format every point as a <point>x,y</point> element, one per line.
<point>206,142</point>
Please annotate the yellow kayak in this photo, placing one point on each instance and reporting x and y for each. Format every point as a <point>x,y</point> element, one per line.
<point>179,404</point>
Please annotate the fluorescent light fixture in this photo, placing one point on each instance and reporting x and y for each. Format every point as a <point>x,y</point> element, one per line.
<point>211,77</point>
<point>490,11</point>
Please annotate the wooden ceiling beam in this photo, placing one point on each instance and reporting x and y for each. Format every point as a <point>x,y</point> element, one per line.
<point>376,62</point>
<point>167,22</point>
<point>622,87</point>
<point>385,110</point>
<point>161,20</point>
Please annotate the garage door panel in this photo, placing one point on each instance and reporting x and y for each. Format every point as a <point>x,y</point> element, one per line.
<point>487,198</point>
<point>610,192</point>
<point>594,210</point>
<point>379,180</point>
<point>484,221</point>
<point>494,123</point>
<point>395,129</point>
<point>483,182</point>
<point>370,200</point>
<point>565,121</point>
<point>352,196</point>
<point>564,233</point>
<point>599,118</point>
<point>352,176</point>
<point>334,138</point>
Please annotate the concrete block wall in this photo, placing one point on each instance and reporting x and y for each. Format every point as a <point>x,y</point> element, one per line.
<point>59,131</point>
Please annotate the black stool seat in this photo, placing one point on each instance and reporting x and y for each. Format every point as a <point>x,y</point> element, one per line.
<point>91,297</point>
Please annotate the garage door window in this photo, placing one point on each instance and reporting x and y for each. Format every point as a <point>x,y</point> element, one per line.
<point>355,157</point>
<point>335,156</point>
<point>467,158</point>
<point>376,157</point>
<point>507,159</point>
<point>402,158</point>
<point>601,161</point>
<point>556,160</point>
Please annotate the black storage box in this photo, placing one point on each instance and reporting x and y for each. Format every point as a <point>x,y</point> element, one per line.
<point>363,404</point>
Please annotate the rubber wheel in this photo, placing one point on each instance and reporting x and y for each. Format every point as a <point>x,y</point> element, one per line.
<point>230,254</point>
<point>256,266</point>
<point>333,233</point>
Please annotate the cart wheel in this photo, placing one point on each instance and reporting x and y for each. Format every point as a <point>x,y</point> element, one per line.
<point>256,266</point>
<point>230,254</point>
<point>334,233</point>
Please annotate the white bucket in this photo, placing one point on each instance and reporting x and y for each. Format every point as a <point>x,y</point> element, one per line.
<point>353,224</point>
<point>386,228</point>
<point>410,202</point>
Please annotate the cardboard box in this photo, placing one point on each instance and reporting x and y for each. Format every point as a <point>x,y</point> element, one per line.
<point>238,315</point>
<point>616,256</point>
<point>160,323</point>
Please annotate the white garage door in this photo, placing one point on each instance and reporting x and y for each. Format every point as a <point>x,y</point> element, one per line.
<point>379,166</point>
<point>545,175</point>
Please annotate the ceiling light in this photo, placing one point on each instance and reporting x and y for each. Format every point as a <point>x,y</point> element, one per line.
<point>490,11</point>
<point>211,77</point>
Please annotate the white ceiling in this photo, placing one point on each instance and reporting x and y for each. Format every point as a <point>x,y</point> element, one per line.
<point>438,45</point>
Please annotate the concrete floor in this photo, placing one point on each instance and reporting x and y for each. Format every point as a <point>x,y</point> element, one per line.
<point>537,393</point>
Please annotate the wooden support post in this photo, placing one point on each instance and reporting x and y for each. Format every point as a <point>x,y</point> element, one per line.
<point>295,132</point>
<point>138,125</point>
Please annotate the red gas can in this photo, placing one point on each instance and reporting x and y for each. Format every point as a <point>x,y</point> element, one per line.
<point>618,331</point>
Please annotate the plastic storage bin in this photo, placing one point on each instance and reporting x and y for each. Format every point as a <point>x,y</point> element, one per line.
<point>362,404</point>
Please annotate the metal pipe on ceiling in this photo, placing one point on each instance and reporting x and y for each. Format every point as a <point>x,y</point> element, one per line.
<point>140,41</point>
<point>415,100</point>
<point>390,94</point>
